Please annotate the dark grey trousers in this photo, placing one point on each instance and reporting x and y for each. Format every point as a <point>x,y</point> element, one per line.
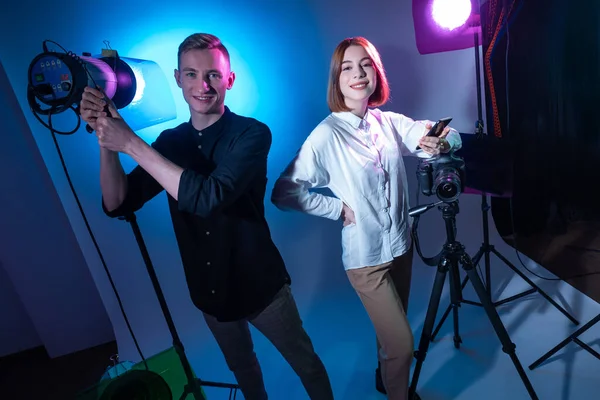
<point>280,322</point>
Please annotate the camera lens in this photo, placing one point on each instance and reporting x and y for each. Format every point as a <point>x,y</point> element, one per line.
<point>447,191</point>
<point>447,185</point>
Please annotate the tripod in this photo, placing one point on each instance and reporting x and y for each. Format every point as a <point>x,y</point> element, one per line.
<point>486,248</point>
<point>453,254</point>
<point>193,385</point>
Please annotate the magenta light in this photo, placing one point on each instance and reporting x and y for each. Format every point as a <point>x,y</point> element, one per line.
<point>101,74</point>
<point>445,25</point>
<point>450,14</point>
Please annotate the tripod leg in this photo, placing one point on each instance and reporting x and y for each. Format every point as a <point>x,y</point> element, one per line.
<point>573,337</point>
<point>587,348</point>
<point>449,308</point>
<point>455,298</point>
<point>432,309</point>
<point>507,346</point>
<point>442,320</point>
<point>478,255</point>
<point>476,258</point>
<point>533,285</point>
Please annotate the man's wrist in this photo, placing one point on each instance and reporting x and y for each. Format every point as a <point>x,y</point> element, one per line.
<point>134,145</point>
<point>104,152</point>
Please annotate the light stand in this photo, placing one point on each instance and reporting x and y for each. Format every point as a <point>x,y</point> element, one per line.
<point>573,338</point>
<point>46,84</point>
<point>486,248</point>
<point>453,254</point>
<point>193,385</point>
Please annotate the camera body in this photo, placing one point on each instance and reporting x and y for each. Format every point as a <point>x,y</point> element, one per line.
<point>443,176</point>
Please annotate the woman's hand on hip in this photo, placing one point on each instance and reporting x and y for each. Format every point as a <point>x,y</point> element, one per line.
<point>347,215</point>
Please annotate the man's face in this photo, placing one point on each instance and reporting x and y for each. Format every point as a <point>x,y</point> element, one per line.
<point>204,76</point>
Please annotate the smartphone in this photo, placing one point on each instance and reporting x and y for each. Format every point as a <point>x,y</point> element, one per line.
<point>437,129</point>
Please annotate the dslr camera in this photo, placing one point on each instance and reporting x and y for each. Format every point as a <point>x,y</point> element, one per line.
<point>443,175</point>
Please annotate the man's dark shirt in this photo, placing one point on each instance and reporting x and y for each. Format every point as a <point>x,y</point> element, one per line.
<point>232,266</point>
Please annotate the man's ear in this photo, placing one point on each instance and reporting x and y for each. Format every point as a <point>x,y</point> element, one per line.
<point>177,77</point>
<point>230,80</point>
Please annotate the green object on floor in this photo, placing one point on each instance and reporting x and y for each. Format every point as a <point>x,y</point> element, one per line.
<point>161,377</point>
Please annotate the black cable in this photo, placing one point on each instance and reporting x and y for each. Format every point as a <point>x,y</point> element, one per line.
<point>45,48</point>
<point>512,218</point>
<point>430,261</point>
<point>47,126</point>
<point>51,111</point>
<point>93,237</point>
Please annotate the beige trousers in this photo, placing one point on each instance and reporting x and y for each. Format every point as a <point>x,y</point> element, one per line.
<point>384,291</point>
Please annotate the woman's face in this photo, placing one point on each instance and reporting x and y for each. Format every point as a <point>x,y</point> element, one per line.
<point>358,78</point>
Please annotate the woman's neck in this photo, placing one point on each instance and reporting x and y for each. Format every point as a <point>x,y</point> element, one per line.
<point>358,108</point>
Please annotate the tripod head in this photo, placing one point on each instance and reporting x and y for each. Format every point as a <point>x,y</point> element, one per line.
<point>449,211</point>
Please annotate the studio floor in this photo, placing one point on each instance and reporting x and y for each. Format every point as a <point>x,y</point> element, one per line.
<point>478,370</point>
<point>343,337</point>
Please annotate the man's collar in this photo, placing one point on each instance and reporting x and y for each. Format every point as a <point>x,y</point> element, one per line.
<point>217,125</point>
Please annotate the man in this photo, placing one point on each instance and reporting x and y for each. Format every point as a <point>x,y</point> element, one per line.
<point>214,171</point>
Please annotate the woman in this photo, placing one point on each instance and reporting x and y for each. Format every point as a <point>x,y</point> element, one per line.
<point>357,153</point>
